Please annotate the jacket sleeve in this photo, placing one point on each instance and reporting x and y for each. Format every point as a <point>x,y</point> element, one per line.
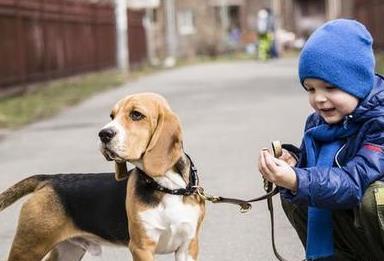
<point>336,188</point>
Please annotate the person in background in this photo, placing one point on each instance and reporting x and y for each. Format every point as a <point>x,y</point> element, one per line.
<point>265,30</point>
<point>332,188</point>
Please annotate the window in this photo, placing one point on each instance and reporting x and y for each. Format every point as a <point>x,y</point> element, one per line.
<point>186,22</point>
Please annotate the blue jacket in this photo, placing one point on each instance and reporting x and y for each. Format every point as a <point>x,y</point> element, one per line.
<point>358,163</point>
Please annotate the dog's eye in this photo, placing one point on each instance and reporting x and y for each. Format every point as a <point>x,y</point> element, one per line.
<point>112,116</point>
<point>136,116</point>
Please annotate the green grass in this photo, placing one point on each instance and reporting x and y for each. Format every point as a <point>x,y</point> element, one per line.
<point>380,62</point>
<point>46,99</point>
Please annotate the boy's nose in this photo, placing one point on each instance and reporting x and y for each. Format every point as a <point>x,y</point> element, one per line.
<point>320,98</point>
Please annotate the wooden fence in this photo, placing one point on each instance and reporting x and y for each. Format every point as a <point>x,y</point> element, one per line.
<point>137,43</point>
<point>370,12</point>
<point>44,39</point>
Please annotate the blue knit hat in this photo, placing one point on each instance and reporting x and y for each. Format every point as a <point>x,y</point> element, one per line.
<point>340,53</point>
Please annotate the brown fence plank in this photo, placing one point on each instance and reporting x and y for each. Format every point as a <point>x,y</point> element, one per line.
<point>370,12</point>
<point>43,39</point>
<point>136,38</point>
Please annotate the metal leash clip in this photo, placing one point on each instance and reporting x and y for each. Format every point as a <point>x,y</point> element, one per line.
<point>244,208</point>
<point>244,205</point>
<point>205,196</point>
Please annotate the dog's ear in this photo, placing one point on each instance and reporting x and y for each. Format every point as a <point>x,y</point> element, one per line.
<point>165,147</point>
<point>121,171</point>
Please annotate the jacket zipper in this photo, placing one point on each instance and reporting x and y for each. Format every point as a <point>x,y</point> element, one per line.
<point>346,120</point>
<point>345,125</point>
<point>337,154</point>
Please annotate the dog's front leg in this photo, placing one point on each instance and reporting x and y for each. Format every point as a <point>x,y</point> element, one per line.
<point>188,251</point>
<point>140,253</point>
<point>182,255</point>
<point>141,246</point>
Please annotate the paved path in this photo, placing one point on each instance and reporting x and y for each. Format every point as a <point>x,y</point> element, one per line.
<point>229,112</point>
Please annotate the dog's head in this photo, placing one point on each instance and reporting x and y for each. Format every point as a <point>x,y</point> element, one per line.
<point>143,131</point>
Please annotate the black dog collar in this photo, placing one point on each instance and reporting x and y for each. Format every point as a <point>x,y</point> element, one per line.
<point>189,190</point>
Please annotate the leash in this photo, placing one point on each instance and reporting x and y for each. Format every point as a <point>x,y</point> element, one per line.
<point>245,205</point>
<point>268,186</point>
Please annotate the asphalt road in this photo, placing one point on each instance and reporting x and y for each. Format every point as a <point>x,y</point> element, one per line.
<point>229,111</point>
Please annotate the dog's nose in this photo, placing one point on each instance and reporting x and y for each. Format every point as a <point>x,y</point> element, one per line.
<point>107,134</point>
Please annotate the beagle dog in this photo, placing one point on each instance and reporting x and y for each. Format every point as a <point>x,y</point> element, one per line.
<point>152,208</point>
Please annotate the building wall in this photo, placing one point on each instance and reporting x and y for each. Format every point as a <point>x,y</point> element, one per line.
<point>200,35</point>
<point>212,29</point>
<point>252,8</point>
<point>347,8</point>
<point>210,34</point>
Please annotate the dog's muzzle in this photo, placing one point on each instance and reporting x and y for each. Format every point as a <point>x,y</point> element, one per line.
<point>107,153</point>
<point>106,135</point>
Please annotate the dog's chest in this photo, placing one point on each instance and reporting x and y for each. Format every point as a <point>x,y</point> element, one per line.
<point>172,223</point>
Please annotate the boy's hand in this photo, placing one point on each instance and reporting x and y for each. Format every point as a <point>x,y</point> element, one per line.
<point>277,171</point>
<point>287,157</point>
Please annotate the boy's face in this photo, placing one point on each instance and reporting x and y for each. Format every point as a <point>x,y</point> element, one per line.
<point>331,103</point>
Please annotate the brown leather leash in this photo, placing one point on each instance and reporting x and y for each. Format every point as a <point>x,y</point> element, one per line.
<point>245,205</point>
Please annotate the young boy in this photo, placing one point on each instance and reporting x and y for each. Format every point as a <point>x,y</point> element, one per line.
<point>332,188</point>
